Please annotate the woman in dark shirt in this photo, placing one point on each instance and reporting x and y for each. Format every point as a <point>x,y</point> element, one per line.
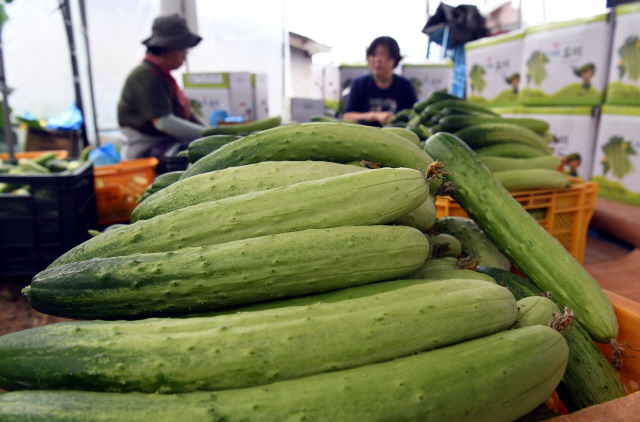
<point>376,97</point>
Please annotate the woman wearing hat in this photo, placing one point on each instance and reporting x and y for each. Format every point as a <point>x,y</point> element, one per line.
<point>376,97</point>
<point>153,112</point>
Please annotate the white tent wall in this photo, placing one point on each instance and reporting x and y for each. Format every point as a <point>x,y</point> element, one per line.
<point>245,35</point>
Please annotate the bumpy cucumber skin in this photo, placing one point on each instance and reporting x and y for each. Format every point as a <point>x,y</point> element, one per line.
<point>485,134</point>
<point>475,243</point>
<point>589,378</point>
<point>435,264</point>
<point>444,245</point>
<point>530,248</point>
<point>524,179</point>
<point>243,271</point>
<point>346,200</point>
<point>495,378</point>
<point>337,142</point>
<point>246,349</point>
<point>235,181</point>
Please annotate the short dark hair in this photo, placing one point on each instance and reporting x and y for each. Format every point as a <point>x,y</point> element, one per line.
<point>390,44</point>
<point>157,51</point>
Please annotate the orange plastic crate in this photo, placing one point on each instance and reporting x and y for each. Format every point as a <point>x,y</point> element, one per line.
<point>61,154</point>
<point>565,212</point>
<point>119,187</point>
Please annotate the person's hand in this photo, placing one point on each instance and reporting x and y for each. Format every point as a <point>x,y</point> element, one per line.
<point>384,117</point>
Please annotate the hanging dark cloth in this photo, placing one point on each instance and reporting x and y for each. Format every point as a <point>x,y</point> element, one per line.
<point>465,24</point>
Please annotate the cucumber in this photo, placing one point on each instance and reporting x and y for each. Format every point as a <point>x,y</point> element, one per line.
<point>475,243</point>
<point>200,147</point>
<point>589,378</point>
<point>422,218</point>
<point>495,378</point>
<point>444,245</point>
<point>454,274</point>
<point>160,182</point>
<point>484,134</point>
<point>409,135</point>
<point>435,264</point>
<point>57,165</point>
<point>244,128</point>
<point>232,273</point>
<point>346,200</point>
<point>494,163</point>
<point>535,310</point>
<point>459,104</point>
<point>510,149</point>
<point>248,347</point>
<point>530,248</point>
<point>523,179</point>
<point>43,158</point>
<point>27,165</point>
<point>452,123</point>
<point>235,181</point>
<point>337,142</point>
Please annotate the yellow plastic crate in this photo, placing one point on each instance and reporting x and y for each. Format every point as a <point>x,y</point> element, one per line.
<point>119,187</point>
<point>565,212</point>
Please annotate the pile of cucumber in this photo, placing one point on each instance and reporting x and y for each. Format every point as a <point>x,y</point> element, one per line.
<point>44,163</point>
<point>300,273</point>
<point>515,149</point>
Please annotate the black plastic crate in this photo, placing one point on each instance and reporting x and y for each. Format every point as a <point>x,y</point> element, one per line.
<point>173,162</point>
<point>55,216</point>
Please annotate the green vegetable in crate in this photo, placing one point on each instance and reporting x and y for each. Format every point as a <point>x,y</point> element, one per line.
<point>27,165</point>
<point>200,147</point>
<point>529,247</point>
<point>235,181</point>
<point>243,271</point>
<point>616,157</point>
<point>475,243</point>
<point>337,142</point>
<point>495,378</point>
<point>349,199</point>
<point>485,134</point>
<point>244,128</point>
<point>589,378</point>
<point>523,179</point>
<point>246,349</point>
<point>495,163</point>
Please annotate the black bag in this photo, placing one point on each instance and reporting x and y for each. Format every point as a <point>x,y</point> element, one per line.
<point>465,23</point>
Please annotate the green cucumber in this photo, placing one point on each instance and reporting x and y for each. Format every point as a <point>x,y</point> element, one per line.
<point>232,273</point>
<point>200,147</point>
<point>248,347</point>
<point>57,165</point>
<point>409,135</point>
<point>535,310</point>
<point>589,378</point>
<point>494,163</point>
<point>435,264</point>
<point>454,274</point>
<point>510,149</point>
<point>346,200</point>
<point>337,142</point>
<point>495,378</point>
<point>524,179</point>
<point>484,134</point>
<point>160,182</point>
<point>235,181</point>
<point>452,123</point>
<point>244,128</point>
<point>530,248</point>
<point>475,243</point>
<point>444,245</point>
<point>27,165</point>
<point>44,157</point>
<point>458,103</point>
<point>422,218</point>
